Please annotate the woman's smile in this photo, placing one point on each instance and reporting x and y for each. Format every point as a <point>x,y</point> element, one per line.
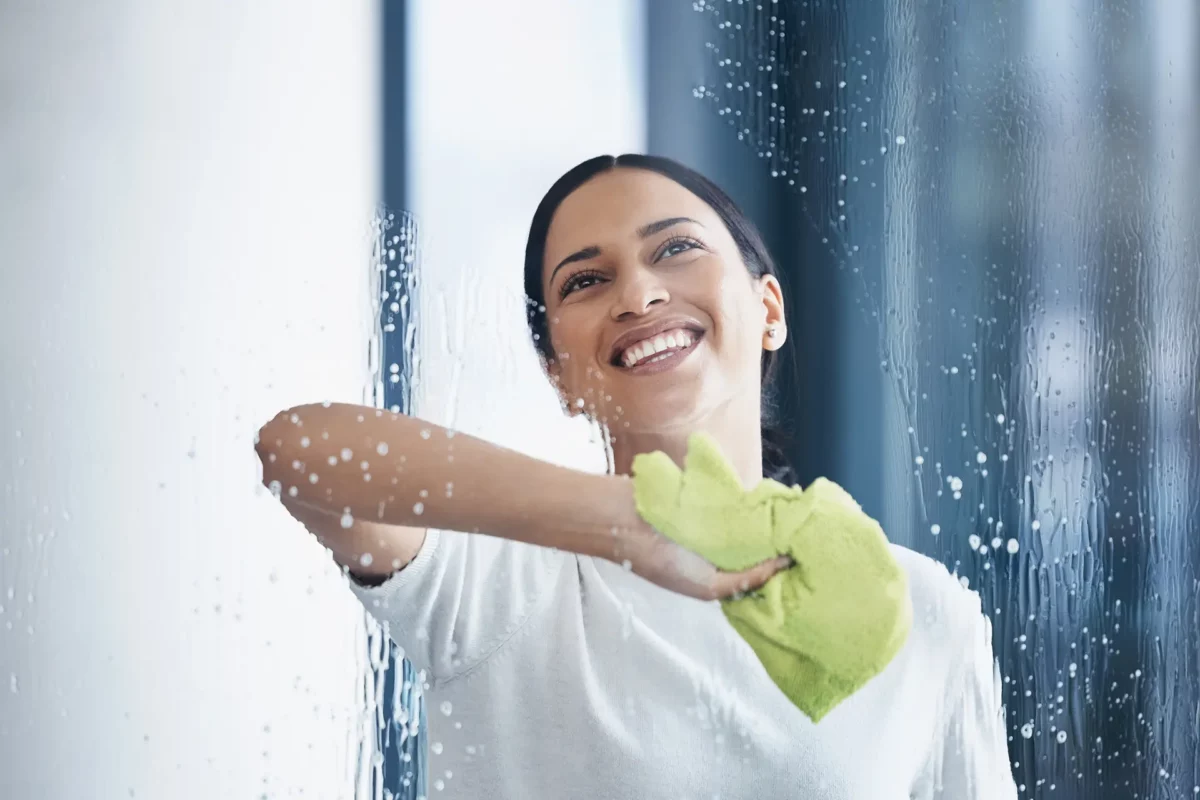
<point>662,353</point>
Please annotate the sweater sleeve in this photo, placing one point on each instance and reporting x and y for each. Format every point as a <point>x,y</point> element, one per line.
<point>461,598</point>
<point>969,759</point>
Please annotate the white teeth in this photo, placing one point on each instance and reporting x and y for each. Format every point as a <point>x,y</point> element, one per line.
<point>670,340</point>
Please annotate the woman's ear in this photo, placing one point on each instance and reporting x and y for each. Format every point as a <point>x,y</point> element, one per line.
<point>774,318</point>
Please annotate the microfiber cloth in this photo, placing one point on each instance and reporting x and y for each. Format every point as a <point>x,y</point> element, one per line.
<point>822,628</point>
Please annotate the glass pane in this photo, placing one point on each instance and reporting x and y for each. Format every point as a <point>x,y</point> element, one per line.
<point>1012,189</point>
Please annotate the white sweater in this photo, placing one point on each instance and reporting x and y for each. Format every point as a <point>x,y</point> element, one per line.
<point>557,676</point>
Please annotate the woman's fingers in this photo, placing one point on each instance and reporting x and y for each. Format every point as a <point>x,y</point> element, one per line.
<point>673,567</point>
<point>728,584</point>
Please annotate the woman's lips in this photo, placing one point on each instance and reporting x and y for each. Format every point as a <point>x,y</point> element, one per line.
<point>665,361</point>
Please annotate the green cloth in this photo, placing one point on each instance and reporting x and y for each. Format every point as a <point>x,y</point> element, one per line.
<point>822,628</point>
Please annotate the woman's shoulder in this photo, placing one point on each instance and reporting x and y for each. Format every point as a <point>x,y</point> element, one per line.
<point>945,609</point>
<point>931,581</point>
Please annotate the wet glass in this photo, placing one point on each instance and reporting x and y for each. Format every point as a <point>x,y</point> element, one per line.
<point>1013,189</point>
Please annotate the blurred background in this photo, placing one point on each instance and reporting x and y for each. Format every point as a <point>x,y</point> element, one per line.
<point>986,216</point>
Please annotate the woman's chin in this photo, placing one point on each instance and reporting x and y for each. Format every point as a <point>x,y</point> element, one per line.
<point>657,416</point>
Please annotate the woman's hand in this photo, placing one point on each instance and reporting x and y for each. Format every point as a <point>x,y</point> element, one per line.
<point>701,509</point>
<point>821,631</point>
<point>656,558</point>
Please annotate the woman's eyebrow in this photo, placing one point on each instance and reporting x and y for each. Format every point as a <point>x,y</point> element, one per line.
<point>579,255</point>
<point>663,224</point>
<point>643,232</point>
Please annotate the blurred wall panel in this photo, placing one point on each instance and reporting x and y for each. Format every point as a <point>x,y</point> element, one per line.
<point>186,192</point>
<point>503,99</point>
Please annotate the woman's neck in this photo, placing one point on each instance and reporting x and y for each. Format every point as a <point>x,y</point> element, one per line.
<point>739,435</point>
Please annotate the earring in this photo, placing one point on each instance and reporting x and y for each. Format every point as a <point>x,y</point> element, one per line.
<point>772,332</point>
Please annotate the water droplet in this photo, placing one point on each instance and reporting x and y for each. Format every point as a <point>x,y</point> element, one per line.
<point>419,509</point>
<point>956,484</point>
<point>974,541</point>
<point>447,709</point>
<point>981,458</point>
<point>1027,730</point>
<point>382,448</point>
<point>1000,419</point>
<point>425,434</point>
<point>935,529</point>
<point>347,454</point>
<point>1013,546</point>
<point>347,519</point>
<point>305,441</point>
<point>312,478</point>
<point>1061,736</point>
<point>435,748</point>
<point>901,140</point>
<point>1037,526</point>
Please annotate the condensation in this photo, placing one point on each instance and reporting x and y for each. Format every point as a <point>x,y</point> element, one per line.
<point>1014,188</point>
<point>395,695</point>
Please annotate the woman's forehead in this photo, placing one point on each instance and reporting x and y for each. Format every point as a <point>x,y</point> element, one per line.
<point>615,204</point>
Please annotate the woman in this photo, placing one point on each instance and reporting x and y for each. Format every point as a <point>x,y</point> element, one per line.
<point>573,651</point>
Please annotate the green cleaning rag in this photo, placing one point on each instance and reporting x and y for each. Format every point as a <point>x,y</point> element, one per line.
<point>822,628</point>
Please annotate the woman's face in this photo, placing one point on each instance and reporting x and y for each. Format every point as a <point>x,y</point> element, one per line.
<point>654,320</point>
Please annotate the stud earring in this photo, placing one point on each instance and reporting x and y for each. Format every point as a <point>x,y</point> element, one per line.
<point>772,332</point>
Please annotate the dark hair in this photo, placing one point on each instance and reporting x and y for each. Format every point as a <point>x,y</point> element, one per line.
<point>749,243</point>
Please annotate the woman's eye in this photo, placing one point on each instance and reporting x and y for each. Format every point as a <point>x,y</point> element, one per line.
<point>675,248</point>
<point>580,281</point>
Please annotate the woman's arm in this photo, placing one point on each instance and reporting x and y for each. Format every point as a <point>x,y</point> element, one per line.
<point>385,477</point>
<point>370,551</point>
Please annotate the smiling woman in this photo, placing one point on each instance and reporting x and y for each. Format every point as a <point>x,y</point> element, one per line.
<point>700,275</point>
<point>657,314</point>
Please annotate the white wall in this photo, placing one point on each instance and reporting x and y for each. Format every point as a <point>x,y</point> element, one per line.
<point>185,194</point>
<point>506,97</point>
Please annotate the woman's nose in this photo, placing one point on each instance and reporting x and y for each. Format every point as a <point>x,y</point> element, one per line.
<point>637,294</point>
